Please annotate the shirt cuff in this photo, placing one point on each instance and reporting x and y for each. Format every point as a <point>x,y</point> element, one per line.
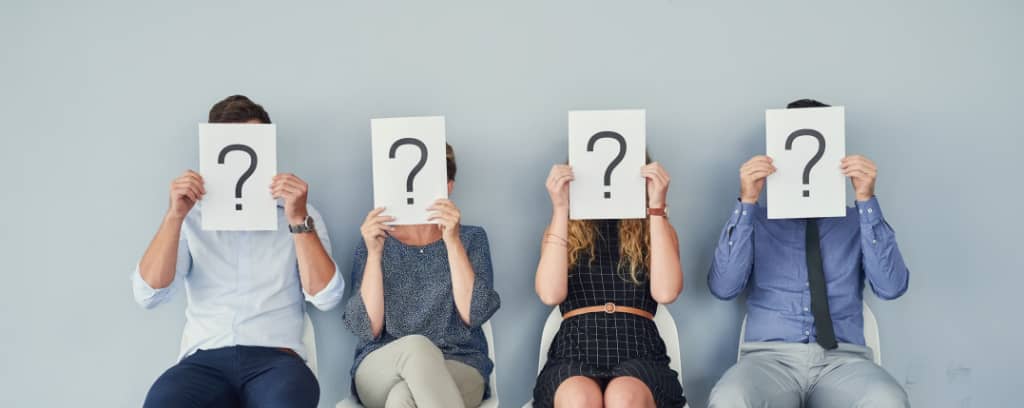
<point>145,295</point>
<point>328,297</point>
<point>743,213</point>
<point>869,211</point>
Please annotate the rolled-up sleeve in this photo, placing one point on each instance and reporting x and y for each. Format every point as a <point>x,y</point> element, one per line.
<point>883,263</point>
<point>149,297</point>
<point>734,255</point>
<point>330,296</point>
<point>485,300</point>
<point>355,316</point>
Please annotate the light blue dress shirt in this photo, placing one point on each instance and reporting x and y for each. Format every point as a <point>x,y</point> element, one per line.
<point>242,287</point>
<point>768,259</point>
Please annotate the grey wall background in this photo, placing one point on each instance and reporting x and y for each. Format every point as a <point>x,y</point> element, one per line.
<point>100,102</point>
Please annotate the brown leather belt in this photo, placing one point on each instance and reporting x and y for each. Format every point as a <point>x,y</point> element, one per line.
<point>610,308</point>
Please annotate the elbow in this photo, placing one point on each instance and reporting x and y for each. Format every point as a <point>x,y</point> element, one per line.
<point>666,295</point>
<point>894,294</point>
<point>723,293</point>
<point>549,298</point>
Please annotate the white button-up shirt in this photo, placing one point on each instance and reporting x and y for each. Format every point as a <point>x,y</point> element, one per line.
<point>242,287</point>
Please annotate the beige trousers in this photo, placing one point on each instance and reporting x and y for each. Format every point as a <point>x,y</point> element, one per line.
<point>412,372</point>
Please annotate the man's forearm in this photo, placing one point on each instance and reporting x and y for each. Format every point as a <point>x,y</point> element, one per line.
<point>158,263</point>
<point>316,269</point>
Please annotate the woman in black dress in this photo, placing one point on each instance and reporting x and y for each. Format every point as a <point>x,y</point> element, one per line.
<point>608,277</point>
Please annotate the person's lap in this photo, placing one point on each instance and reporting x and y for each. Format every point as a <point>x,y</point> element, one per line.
<point>843,378</point>
<point>395,374</point>
<point>266,378</point>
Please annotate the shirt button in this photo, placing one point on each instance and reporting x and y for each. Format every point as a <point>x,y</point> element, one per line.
<point>421,251</point>
<point>807,333</point>
<point>807,284</point>
<point>873,242</point>
<point>744,212</point>
<point>730,243</point>
<point>869,211</point>
<point>735,211</point>
<point>860,211</point>
<point>805,309</point>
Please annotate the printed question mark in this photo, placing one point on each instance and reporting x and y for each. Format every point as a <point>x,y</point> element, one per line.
<point>817,156</point>
<point>615,162</point>
<point>248,172</point>
<point>415,169</point>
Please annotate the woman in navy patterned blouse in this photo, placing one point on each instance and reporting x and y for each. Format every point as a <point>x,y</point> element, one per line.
<point>421,293</point>
<point>608,277</point>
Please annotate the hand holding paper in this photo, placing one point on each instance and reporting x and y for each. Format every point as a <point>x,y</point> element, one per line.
<point>293,190</point>
<point>862,173</point>
<point>186,191</point>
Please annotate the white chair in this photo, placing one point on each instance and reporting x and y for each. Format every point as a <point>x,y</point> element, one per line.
<point>663,319</point>
<point>491,402</point>
<point>871,338</point>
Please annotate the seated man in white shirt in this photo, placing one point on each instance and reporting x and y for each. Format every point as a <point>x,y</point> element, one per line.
<point>242,345</point>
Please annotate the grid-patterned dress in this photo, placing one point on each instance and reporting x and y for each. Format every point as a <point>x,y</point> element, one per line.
<point>603,346</point>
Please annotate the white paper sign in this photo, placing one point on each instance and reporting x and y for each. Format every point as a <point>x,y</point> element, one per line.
<point>806,146</point>
<point>409,169</point>
<point>606,151</point>
<point>238,162</point>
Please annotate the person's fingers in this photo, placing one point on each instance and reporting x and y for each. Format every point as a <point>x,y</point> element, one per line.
<point>856,174</point>
<point>374,213</point>
<point>191,187</point>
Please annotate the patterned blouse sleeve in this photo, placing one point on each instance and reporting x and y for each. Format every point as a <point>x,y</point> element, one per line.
<point>485,300</point>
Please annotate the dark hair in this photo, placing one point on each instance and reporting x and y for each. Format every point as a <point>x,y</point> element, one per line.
<point>237,109</point>
<point>449,158</point>
<point>806,103</point>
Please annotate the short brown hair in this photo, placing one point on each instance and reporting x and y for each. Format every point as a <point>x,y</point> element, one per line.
<point>449,158</point>
<point>238,109</point>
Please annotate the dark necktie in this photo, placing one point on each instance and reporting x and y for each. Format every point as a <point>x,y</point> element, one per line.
<point>819,293</point>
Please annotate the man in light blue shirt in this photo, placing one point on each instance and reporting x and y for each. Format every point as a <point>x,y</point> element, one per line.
<point>246,291</point>
<point>804,279</point>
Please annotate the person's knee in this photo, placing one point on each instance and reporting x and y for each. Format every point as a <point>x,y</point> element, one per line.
<point>289,385</point>
<point>578,392</point>
<point>728,395</point>
<point>164,396</point>
<point>885,394</point>
<point>399,397</point>
<point>416,344</point>
<point>627,392</point>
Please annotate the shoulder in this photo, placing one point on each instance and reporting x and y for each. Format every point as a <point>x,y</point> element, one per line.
<point>473,235</point>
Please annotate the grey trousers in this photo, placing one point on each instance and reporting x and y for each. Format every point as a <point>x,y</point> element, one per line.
<point>412,372</point>
<point>794,375</point>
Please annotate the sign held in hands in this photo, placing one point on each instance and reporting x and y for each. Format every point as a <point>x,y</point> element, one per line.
<point>606,151</point>
<point>409,171</point>
<point>238,162</point>
<point>806,146</point>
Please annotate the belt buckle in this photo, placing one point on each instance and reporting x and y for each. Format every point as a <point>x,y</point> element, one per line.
<point>609,308</point>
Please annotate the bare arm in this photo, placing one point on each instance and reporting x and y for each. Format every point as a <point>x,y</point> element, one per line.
<point>448,217</point>
<point>552,278</point>
<point>157,266</point>
<point>316,269</point>
<point>371,289</point>
<point>666,270</point>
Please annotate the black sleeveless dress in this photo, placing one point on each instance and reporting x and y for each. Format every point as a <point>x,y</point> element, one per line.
<point>604,346</point>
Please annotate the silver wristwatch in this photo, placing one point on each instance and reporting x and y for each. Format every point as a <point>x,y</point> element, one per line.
<point>306,226</point>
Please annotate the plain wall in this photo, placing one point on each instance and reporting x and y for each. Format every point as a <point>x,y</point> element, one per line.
<point>99,103</point>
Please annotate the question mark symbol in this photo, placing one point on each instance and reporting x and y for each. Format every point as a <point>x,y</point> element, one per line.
<point>415,169</point>
<point>817,156</point>
<point>248,172</point>
<point>615,162</point>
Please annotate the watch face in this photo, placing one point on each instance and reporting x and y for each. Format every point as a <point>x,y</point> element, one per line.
<point>309,222</point>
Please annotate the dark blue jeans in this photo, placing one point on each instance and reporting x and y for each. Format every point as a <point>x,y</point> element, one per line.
<point>239,376</point>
